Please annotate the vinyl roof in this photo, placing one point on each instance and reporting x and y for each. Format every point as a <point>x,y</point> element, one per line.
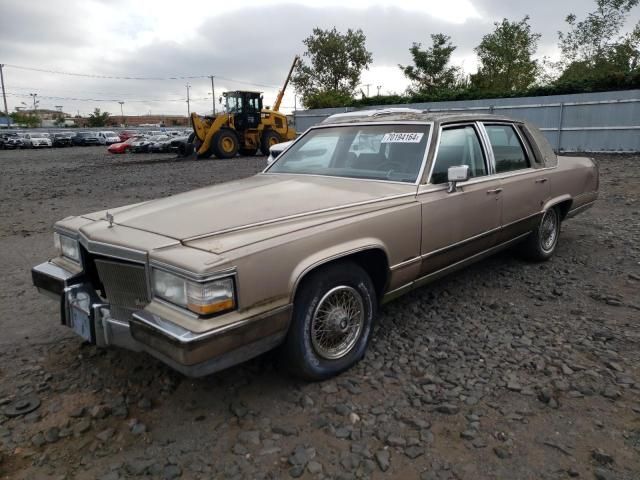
<point>408,114</point>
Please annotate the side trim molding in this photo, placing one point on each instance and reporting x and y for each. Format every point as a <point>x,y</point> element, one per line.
<point>449,269</point>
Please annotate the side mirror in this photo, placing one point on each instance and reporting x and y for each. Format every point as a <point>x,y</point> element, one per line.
<point>455,175</point>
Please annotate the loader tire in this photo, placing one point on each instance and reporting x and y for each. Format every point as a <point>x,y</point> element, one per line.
<point>225,143</point>
<point>269,138</point>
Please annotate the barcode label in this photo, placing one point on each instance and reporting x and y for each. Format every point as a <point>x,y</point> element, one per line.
<point>406,137</point>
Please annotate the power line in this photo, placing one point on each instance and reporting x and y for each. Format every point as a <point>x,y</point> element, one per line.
<point>115,100</point>
<point>115,77</point>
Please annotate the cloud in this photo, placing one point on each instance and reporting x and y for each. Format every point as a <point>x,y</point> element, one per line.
<point>252,40</point>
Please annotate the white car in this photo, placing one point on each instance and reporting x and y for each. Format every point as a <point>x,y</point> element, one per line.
<point>35,140</point>
<point>108,138</point>
<point>142,145</point>
<point>276,150</point>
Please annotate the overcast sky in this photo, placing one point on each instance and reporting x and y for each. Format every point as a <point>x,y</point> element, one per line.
<point>251,41</point>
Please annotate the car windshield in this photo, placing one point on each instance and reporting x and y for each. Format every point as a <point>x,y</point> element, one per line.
<point>392,152</point>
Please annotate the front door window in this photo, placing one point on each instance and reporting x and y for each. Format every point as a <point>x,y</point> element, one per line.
<point>459,146</point>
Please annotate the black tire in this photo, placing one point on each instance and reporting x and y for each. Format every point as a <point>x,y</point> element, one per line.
<point>300,353</point>
<point>541,244</point>
<point>225,143</point>
<point>248,152</point>
<point>269,138</point>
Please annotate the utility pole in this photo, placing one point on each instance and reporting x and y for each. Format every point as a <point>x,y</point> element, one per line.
<point>213,94</point>
<point>367,85</point>
<point>188,105</point>
<point>122,113</point>
<point>4,95</point>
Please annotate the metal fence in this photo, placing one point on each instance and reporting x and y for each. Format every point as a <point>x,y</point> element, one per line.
<point>584,122</point>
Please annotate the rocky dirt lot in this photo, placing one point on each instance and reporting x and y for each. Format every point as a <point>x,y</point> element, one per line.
<point>507,370</point>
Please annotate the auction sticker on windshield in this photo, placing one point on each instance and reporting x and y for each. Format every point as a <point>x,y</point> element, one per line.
<point>402,137</point>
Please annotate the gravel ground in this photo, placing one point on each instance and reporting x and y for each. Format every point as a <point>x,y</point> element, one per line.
<point>507,370</point>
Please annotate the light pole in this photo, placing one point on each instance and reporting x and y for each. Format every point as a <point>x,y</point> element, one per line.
<point>379,87</point>
<point>188,104</point>
<point>122,113</point>
<point>34,95</point>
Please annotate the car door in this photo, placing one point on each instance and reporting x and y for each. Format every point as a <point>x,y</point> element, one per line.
<point>524,189</point>
<point>462,223</point>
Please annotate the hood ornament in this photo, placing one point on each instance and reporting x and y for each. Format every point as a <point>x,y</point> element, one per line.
<point>110,219</point>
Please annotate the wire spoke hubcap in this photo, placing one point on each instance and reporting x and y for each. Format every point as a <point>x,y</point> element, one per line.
<point>337,322</point>
<point>549,230</point>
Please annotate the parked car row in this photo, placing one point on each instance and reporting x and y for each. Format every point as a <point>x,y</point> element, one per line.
<point>35,139</point>
<point>154,143</point>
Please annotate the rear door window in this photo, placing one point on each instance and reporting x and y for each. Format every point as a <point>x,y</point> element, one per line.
<point>508,151</point>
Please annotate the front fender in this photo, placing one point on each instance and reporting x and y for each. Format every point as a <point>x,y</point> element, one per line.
<point>330,254</point>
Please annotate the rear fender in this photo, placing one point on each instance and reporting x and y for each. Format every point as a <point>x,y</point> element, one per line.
<point>555,201</point>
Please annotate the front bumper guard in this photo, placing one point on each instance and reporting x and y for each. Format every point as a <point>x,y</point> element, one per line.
<point>191,353</point>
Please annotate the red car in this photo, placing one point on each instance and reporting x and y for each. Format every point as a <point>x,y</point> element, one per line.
<point>127,134</point>
<point>122,147</point>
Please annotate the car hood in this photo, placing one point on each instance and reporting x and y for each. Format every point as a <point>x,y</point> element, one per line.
<point>261,200</point>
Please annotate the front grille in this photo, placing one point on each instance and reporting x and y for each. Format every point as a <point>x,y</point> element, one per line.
<point>125,286</point>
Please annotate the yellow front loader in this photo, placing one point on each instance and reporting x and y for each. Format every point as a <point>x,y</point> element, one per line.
<point>245,127</point>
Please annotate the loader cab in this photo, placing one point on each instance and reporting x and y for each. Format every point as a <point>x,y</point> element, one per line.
<point>246,108</point>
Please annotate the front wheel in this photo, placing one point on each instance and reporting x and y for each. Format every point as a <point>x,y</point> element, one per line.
<point>333,316</point>
<point>268,140</point>
<point>542,242</point>
<point>225,143</point>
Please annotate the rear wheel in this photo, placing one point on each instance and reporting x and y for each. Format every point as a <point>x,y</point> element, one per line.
<point>333,316</point>
<point>225,143</point>
<point>269,139</point>
<point>542,242</point>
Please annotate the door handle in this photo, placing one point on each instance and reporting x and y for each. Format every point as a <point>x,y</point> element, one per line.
<point>541,180</point>
<point>495,190</point>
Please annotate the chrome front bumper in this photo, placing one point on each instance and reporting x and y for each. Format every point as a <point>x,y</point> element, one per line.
<point>191,353</point>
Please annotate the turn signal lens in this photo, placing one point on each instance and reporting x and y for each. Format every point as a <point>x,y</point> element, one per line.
<point>210,297</point>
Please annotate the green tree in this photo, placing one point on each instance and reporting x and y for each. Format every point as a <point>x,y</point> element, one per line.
<point>21,118</point>
<point>59,120</point>
<point>506,58</point>
<point>594,47</point>
<point>98,118</point>
<point>335,63</point>
<point>431,71</point>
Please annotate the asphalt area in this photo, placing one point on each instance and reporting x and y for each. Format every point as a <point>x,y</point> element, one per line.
<point>506,370</point>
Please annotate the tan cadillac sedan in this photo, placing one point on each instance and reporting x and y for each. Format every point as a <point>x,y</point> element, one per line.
<point>355,212</point>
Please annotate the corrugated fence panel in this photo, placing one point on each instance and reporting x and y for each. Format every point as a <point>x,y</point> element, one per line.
<point>584,122</point>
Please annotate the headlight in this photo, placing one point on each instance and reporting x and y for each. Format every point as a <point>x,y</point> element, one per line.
<point>67,246</point>
<point>203,298</point>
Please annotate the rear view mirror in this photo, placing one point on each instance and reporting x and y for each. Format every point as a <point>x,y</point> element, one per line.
<point>457,174</point>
